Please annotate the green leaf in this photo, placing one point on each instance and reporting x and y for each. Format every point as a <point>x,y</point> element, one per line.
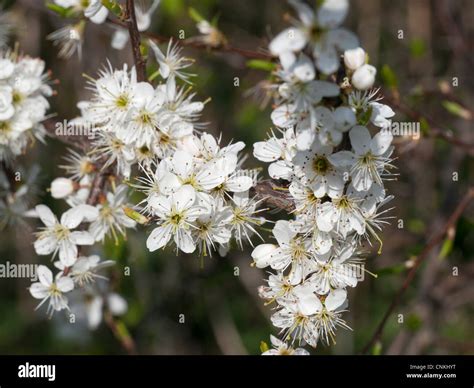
<point>388,77</point>
<point>363,118</point>
<point>61,11</point>
<point>446,248</point>
<point>424,126</point>
<point>261,64</point>
<point>417,47</point>
<point>456,109</point>
<point>172,7</point>
<point>215,21</point>
<point>263,346</point>
<point>195,15</point>
<point>414,322</point>
<point>377,349</point>
<point>415,225</point>
<point>113,6</point>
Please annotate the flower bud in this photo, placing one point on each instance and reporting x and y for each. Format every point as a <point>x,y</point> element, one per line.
<point>136,216</point>
<point>61,187</point>
<point>354,58</point>
<point>364,77</point>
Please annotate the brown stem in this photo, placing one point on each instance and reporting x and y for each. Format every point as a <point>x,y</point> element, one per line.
<point>135,41</point>
<point>448,228</point>
<point>120,333</point>
<point>435,130</point>
<point>250,54</point>
<point>274,195</point>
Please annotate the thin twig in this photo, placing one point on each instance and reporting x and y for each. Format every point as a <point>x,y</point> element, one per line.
<point>135,41</point>
<point>435,130</point>
<point>274,195</point>
<point>448,228</point>
<point>121,334</point>
<point>250,54</point>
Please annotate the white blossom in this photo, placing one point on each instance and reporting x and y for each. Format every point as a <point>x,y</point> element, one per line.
<point>52,290</point>
<point>59,237</point>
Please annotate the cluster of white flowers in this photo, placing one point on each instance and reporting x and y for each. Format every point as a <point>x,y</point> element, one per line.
<point>23,105</point>
<point>65,236</point>
<point>334,169</point>
<point>70,37</point>
<point>196,190</point>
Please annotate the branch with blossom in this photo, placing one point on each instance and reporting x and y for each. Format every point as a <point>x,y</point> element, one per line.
<point>330,154</point>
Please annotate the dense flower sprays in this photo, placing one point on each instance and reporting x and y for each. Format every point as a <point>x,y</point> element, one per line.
<point>331,151</point>
<point>334,168</point>
<point>23,104</point>
<point>196,191</point>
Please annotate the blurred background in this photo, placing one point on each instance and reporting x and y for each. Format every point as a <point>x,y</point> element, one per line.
<point>222,312</point>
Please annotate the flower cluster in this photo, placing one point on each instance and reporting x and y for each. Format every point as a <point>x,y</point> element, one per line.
<point>145,136</point>
<point>200,197</point>
<point>23,105</point>
<point>334,169</point>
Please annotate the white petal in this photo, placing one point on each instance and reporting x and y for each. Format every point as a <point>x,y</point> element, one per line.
<point>82,238</point>
<point>327,59</point>
<point>283,233</point>
<point>239,183</point>
<point>342,159</point>
<point>94,312</point>
<point>46,215</point>
<point>291,39</point>
<point>72,218</point>
<point>267,151</point>
<point>184,241</point>
<point>158,238</point>
<point>326,89</point>
<point>335,299</point>
<point>381,142</point>
<point>100,16</point>
<point>182,164</point>
<point>280,170</point>
<point>119,39</point>
<point>304,69</point>
<point>344,118</point>
<point>39,291</point>
<point>342,39</point>
<point>45,276</point>
<point>332,13</point>
<point>324,219</point>
<point>262,254</point>
<point>68,252</point>
<point>46,245</point>
<point>160,204</point>
<point>308,302</point>
<point>184,197</point>
<point>169,183</point>
<point>305,12</point>
<point>91,213</point>
<point>360,139</point>
<point>65,284</point>
<point>117,304</point>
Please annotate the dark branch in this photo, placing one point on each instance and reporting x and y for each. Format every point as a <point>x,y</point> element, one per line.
<point>250,54</point>
<point>448,229</point>
<point>435,130</point>
<point>135,41</point>
<point>274,195</point>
